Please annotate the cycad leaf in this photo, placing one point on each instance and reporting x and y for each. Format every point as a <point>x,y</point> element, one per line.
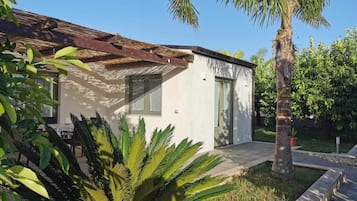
<point>146,180</point>
<point>124,137</point>
<point>153,163</point>
<point>141,128</point>
<point>203,184</point>
<point>105,150</point>
<point>135,157</point>
<point>119,182</point>
<point>181,155</point>
<point>159,138</point>
<point>197,168</point>
<point>95,192</point>
<point>58,141</point>
<point>212,192</point>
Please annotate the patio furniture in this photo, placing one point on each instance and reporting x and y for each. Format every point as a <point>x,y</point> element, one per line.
<point>72,139</point>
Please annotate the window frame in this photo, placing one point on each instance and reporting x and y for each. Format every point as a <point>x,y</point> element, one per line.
<point>147,78</point>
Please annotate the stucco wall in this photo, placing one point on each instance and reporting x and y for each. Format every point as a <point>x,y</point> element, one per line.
<point>187,98</point>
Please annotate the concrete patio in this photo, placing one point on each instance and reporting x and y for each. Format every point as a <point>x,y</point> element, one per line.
<point>239,158</point>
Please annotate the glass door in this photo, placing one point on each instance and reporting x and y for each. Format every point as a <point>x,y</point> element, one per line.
<point>223,124</point>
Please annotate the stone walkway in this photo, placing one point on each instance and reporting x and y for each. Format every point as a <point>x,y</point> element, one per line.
<point>239,158</point>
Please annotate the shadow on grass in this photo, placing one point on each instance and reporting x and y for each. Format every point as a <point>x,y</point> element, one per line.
<point>259,184</point>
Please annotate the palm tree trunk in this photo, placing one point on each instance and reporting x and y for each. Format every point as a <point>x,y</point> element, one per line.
<point>284,61</point>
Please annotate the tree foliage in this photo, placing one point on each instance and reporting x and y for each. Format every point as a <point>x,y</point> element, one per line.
<point>325,82</point>
<point>265,86</point>
<point>238,55</point>
<point>21,101</point>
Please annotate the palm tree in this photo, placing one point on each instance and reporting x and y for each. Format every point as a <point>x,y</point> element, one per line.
<point>265,12</point>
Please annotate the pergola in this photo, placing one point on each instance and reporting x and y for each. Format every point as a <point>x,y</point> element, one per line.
<point>48,35</point>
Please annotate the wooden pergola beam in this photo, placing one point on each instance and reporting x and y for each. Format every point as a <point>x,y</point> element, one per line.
<point>100,58</point>
<point>86,43</point>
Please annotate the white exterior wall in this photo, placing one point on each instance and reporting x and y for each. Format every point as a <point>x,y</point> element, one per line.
<point>187,99</point>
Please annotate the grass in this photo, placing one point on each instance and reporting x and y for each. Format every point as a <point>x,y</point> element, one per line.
<point>309,139</point>
<point>259,184</point>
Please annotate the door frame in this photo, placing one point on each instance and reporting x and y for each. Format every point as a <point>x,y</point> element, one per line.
<point>231,127</point>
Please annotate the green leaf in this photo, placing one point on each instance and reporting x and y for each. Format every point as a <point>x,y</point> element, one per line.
<point>2,152</point>
<point>28,178</point>
<point>4,177</point>
<point>9,108</point>
<point>2,110</point>
<point>62,160</point>
<point>45,156</point>
<point>29,55</point>
<point>66,52</point>
<point>5,196</point>
<point>79,63</point>
<point>31,68</point>
<point>57,63</point>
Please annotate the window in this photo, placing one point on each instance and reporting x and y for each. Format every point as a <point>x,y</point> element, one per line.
<point>49,113</point>
<point>145,94</point>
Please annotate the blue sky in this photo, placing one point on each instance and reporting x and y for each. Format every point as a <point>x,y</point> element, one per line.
<point>221,27</point>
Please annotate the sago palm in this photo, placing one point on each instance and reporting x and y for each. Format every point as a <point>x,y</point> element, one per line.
<point>130,168</point>
<point>265,12</point>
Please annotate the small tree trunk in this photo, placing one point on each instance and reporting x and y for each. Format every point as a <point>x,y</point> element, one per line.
<point>257,113</point>
<point>284,61</point>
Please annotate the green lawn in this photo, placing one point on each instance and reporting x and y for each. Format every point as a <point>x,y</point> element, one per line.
<point>259,184</point>
<point>309,139</point>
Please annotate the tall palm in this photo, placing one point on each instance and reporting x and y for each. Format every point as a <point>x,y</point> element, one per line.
<point>265,12</point>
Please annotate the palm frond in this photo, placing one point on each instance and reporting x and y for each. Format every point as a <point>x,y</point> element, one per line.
<point>180,156</point>
<point>119,183</point>
<point>184,11</point>
<point>310,12</point>
<point>58,142</point>
<point>145,185</point>
<point>89,147</point>
<point>203,184</point>
<point>135,158</point>
<point>160,137</point>
<point>261,11</point>
<point>124,138</point>
<point>213,192</point>
<point>197,168</point>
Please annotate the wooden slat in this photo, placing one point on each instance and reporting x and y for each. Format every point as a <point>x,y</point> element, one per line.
<point>86,43</point>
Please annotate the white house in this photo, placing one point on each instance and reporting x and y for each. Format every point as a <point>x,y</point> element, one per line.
<point>207,96</point>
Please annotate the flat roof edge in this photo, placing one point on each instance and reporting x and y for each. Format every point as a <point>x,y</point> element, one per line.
<point>214,54</point>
